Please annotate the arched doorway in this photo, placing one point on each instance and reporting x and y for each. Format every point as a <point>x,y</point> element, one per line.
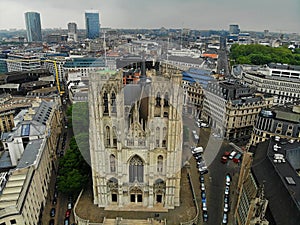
<point>113,188</point>
<point>159,190</point>
<point>136,195</point>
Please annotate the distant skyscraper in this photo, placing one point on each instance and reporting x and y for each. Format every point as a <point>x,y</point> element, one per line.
<point>92,24</point>
<point>234,29</point>
<point>72,31</point>
<point>72,28</point>
<point>33,26</point>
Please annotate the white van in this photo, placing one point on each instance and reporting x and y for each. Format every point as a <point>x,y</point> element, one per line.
<point>197,150</point>
<point>232,154</point>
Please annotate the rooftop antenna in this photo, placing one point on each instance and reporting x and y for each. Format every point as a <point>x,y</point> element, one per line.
<point>181,36</point>
<point>168,54</point>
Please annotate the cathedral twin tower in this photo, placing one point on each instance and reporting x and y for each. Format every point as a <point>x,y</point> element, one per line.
<point>136,140</point>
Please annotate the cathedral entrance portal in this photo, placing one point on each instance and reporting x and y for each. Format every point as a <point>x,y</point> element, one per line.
<point>136,195</point>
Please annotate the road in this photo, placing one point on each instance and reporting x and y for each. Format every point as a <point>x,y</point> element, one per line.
<point>62,200</point>
<point>223,65</point>
<point>215,179</point>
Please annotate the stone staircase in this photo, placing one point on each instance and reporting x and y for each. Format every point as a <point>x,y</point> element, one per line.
<point>120,221</point>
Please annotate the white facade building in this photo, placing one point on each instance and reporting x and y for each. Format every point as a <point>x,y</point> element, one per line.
<point>281,81</point>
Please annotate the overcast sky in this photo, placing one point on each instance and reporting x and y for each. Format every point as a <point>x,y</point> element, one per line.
<point>254,15</point>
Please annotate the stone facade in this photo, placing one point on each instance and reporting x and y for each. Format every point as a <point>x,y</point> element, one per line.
<point>232,108</point>
<point>136,139</point>
<point>281,81</point>
<point>31,148</point>
<point>280,121</point>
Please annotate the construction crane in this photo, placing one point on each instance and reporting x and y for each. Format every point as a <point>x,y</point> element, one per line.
<point>61,92</point>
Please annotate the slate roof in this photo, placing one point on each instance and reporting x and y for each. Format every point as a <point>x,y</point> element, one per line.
<point>284,199</point>
<point>30,153</point>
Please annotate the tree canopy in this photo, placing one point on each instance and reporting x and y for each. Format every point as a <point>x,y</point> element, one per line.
<point>73,172</point>
<point>259,54</point>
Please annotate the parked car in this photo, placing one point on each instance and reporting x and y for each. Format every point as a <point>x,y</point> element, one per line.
<point>226,207</point>
<point>67,221</point>
<point>224,159</point>
<point>197,150</point>
<point>225,218</point>
<point>237,158</point>
<point>227,179</point>
<point>202,187</point>
<point>226,199</point>
<point>204,206</point>
<point>226,190</point>
<point>68,212</point>
<point>198,156</point>
<point>201,179</point>
<point>232,154</point>
<point>203,170</point>
<point>54,201</point>
<point>203,195</point>
<point>69,205</point>
<point>51,222</point>
<point>205,216</point>
<point>52,212</point>
<point>196,137</point>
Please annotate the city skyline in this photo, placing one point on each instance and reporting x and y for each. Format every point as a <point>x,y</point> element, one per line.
<point>274,15</point>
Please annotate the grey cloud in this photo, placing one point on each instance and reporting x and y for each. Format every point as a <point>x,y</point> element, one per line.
<point>196,14</point>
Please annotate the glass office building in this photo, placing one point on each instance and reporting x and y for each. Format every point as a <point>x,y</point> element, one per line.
<point>92,24</point>
<point>33,27</point>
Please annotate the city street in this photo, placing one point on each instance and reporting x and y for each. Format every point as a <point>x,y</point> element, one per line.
<point>62,200</point>
<point>215,179</point>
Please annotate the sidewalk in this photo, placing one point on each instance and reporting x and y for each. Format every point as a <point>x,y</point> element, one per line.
<point>185,212</point>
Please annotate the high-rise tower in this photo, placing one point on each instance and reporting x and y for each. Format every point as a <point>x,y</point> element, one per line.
<point>92,24</point>
<point>72,31</point>
<point>234,29</point>
<point>136,140</point>
<point>33,27</point>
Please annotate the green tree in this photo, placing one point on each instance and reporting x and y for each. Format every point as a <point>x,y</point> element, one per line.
<point>71,182</point>
<point>73,172</point>
<point>258,54</point>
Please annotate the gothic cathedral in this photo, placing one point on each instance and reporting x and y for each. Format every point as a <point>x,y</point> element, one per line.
<point>136,139</point>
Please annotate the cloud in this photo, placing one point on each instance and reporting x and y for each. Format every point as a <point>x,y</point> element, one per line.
<point>196,14</point>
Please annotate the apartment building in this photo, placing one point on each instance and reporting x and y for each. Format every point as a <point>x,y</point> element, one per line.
<point>280,121</point>
<point>194,81</point>
<point>277,169</point>
<point>27,163</point>
<point>22,62</point>
<point>280,80</point>
<point>231,108</point>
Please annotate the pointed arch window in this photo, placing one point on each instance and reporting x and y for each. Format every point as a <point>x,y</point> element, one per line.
<point>157,136</point>
<point>160,163</point>
<point>105,102</point>
<point>113,102</point>
<point>112,161</point>
<point>164,142</point>
<point>157,100</point>
<point>136,169</point>
<point>114,134</point>
<point>166,100</point>
<point>107,136</point>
